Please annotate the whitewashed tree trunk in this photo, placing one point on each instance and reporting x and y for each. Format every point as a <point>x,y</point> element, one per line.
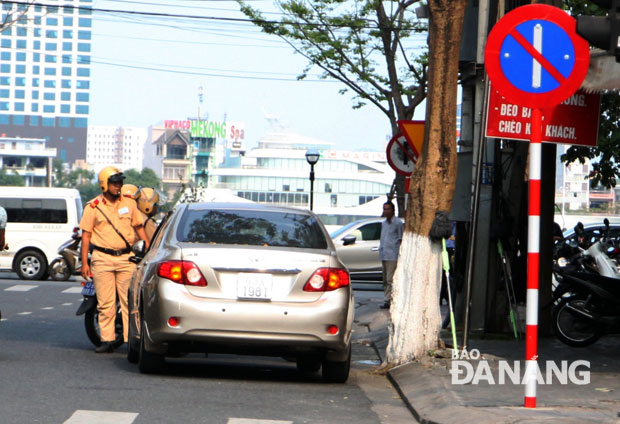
<point>415,313</point>
<point>415,298</point>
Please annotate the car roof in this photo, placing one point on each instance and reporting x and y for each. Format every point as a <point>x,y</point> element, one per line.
<point>246,206</point>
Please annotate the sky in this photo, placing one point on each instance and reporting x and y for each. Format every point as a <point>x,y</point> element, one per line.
<point>149,69</point>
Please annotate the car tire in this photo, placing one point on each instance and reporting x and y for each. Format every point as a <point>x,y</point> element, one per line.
<point>148,362</point>
<point>59,269</point>
<point>308,364</point>
<point>336,371</point>
<point>31,265</point>
<point>132,353</point>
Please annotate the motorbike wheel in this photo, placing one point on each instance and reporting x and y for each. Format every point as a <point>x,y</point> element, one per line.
<point>572,329</point>
<point>91,325</point>
<point>59,269</point>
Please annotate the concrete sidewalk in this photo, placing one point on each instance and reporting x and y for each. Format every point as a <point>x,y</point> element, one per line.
<point>426,386</point>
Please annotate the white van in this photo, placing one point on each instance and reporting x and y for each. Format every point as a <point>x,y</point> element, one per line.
<point>40,219</point>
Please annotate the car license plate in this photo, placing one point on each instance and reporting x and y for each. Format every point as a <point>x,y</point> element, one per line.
<point>254,286</point>
<point>88,289</point>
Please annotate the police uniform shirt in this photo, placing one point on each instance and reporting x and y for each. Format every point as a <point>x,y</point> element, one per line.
<point>123,213</point>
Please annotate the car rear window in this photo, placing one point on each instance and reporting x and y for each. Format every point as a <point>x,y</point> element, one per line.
<point>248,227</point>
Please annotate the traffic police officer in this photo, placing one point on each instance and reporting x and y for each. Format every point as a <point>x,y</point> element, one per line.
<point>109,225</point>
<point>147,204</point>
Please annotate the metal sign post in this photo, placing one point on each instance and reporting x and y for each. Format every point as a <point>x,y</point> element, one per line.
<point>535,58</point>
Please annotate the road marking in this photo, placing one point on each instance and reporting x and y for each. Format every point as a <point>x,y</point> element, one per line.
<point>67,304</point>
<point>255,421</point>
<point>20,287</point>
<point>101,417</point>
<point>47,308</point>
<point>73,290</point>
<point>24,313</point>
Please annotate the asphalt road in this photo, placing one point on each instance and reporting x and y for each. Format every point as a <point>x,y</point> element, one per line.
<point>50,374</point>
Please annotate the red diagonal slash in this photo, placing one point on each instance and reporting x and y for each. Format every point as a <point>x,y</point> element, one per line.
<point>404,149</point>
<point>537,56</point>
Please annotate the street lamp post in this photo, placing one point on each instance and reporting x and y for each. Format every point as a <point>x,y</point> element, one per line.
<point>312,156</point>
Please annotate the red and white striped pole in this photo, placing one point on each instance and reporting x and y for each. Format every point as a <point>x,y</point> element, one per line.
<point>533,261</point>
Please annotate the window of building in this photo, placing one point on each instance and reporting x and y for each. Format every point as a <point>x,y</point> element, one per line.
<point>81,123</point>
<point>37,32</point>
<point>19,119</point>
<point>67,47</point>
<point>64,122</point>
<point>83,84</point>
<point>84,35</point>
<point>35,82</point>
<point>65,109</point>
<point>20,56</point>
<point>20,94</point>
<point>34,107</point>
<point>36,57</point>
<point>5,80</point>
<point>66,72</point>
<point>5,93</point>
<point>81,110</point>
<point>85,22</point>
<point>84,60</point>
<point>68,20</point>
<point>49,109</point>
<point>51,21</point>
<point>21,31</point>
<point>35,95</point>
<point>51,33</point>
<point>21,44</point>
<point>82,97</point>
<point>50,58</point>
<point>19,106</point>
<point>67,33</point>
<point>5,68</point>
<point>20,69</point>
<point>5,56</point>
<point>65,83</point>
<point>34,121</point>
<point>84,47</point>
<point>49,84</point>
<point>50,71</point>
<point>49,122</point>
<point>4,106</point>
<point>36,69</point>
<point>6,43</point>
<point>66,96</point>
<point>83,72</point>
<point>6,31</point>
<point>49,96</point>
<point>66,58</point>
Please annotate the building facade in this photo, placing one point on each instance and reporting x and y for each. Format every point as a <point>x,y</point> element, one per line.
<point>45,70</point>
<point>28,158</point>
<point>122,147</point>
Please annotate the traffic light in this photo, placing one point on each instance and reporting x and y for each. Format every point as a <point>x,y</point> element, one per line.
<point>602,31</point>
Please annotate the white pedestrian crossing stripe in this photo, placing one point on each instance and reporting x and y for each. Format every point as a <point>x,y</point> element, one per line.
<point>255,421</point>
<point>73,290</point>
<point>20,287</point>
<point>101,417</point>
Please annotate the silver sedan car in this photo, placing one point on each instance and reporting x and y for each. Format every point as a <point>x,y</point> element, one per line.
<point>245,279</point>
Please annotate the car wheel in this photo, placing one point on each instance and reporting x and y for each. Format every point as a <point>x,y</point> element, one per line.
<point>133,354</point>
<point>59,269</point>
<point>148,362</point>
<point>336,371</point>
<point>31,265</point>
<point>308,364</point>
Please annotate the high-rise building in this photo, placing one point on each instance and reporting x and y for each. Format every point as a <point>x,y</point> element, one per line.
<point>45,74</point>
<point>122,147</point>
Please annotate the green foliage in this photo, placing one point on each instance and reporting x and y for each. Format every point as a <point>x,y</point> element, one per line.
<point>144,178</point>
<point>358,43</point>
<point>605,157</point>
<point>13,179</point>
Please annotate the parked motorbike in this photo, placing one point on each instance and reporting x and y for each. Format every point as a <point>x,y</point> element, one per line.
<point>88,308</point>
<point>587,298</point>
<point>68,263</point>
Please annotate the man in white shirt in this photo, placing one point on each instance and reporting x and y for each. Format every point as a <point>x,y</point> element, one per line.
<point>389,245</point>
<point>3,219</point>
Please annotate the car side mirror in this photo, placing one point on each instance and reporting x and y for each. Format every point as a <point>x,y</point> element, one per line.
<point>349,240</point>
<point>139,248</point>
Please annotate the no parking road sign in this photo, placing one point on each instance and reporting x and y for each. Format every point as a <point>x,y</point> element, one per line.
<point>534,56</point>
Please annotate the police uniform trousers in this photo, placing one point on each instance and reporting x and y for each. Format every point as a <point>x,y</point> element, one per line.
<point>111,275</point>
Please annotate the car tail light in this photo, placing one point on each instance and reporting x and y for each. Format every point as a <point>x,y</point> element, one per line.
<point>327,279</point>
<point>332,329</point>
<point>182,272</point>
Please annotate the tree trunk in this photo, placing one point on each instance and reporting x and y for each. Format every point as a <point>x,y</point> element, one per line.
<point>415,303</point>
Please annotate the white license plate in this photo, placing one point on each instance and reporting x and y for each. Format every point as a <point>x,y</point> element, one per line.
<point>254,286</point>
<point>88,289</point>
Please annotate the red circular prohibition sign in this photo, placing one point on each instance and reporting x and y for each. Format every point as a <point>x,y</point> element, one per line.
<point>506,25</point>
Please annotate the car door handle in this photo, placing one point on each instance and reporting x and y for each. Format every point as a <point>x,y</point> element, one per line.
<point>374,249</point>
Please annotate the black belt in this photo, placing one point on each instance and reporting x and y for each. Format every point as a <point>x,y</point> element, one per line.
<point>112,251</point>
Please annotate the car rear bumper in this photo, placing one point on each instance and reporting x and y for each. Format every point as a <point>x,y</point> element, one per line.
<point>211,324</point>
